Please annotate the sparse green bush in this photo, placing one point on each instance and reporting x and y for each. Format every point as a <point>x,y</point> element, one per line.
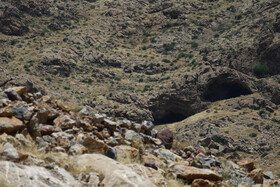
<point>165,60</point>
<point>253,135</point>
<point>146,88</point>
<point>217,139</point>
<point>153,40</point>
<point>238,17</point>
<point>261,70</point>
<point>194,37</point>
<point>169,47</point>
<point>194,45</point>
<point>267,127</point>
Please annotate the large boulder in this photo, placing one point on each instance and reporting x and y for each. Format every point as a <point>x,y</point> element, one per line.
<point>115,173</point>
<point>10,125</point>
<point>166,136</point>
<point>20,175</point>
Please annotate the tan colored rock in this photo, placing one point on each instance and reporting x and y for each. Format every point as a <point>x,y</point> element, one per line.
<point>110,124</point>
<point>77,149</point>
<point>62,106</point>
<point>257,176</point>
<point>126,153</point>
<point>6,112</point>
<point>10,125</point>
<point>94,145</point>
<point>202,183</point>
<point>64,122</point>
<point>20,90</point>
<point>154,175</point>
<point>115,174</point>
<point>190,173</point>
<point>20,175</point>
<point>248,164</point>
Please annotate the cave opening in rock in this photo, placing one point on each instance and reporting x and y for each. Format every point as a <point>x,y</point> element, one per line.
<point>169,117</point>
<point>225,90</point>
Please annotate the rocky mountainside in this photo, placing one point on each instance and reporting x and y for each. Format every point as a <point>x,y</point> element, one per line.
<point>43,143</point>
<point>206,69</point>
<point>142,59</point>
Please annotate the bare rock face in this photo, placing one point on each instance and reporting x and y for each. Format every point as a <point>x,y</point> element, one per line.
<point>193,93</point>
<point>115,173</point>
<point>15,174</point>
<point>181,98</point>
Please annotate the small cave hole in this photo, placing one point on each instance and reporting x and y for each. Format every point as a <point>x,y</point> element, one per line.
<point>169,117</point>
<point>225,90</point>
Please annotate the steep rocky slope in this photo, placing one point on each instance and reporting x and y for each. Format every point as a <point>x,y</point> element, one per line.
<point>127,58</point>
<point>206,69</point>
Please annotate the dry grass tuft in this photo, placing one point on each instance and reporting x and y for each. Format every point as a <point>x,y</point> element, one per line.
<point>175,183</point>
<point>126,158</point>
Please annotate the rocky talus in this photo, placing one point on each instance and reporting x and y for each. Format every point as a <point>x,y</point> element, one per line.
<point>44,143</point>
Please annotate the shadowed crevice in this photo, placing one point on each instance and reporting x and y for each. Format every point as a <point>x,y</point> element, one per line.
<point>225,90</point>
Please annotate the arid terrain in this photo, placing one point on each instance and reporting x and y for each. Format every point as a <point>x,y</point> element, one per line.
<point>208,70</point>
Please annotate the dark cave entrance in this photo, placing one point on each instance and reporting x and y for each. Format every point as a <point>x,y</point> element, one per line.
<point>226,90</point>
<point>169,117</point>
